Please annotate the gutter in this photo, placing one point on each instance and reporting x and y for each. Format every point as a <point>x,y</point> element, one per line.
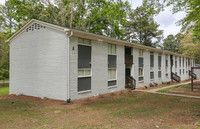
<point>69,33</point>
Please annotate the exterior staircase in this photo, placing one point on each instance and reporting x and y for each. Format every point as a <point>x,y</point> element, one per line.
<point>175,77</point>
<point>130,83</point>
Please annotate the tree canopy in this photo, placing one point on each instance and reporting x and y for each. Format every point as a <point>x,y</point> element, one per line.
<point>172,43</point>
<point>142,29</point>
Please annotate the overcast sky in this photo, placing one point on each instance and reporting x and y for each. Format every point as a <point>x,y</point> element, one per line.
<point>166,19</point>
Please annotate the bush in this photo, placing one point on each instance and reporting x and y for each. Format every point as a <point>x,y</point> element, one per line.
<point>1,77</point>
<point>4,73</point>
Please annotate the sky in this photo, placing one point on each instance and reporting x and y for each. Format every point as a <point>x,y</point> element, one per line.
<point>165,19</point>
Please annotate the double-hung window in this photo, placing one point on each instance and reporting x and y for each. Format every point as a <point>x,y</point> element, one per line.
<point>176,64</point>
<point>151,65</point>
<point>112,65</point>
<point>166,65</point>
<point>141,66</point>
<point>84,64</point>
<point>159,65</point>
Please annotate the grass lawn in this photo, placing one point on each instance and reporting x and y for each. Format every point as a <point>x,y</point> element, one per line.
<point>4,80</point>
<point>183,89</point>
<point>133,110</point>
<point>4,90</point>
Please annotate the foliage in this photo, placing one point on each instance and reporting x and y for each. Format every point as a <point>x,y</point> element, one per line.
<point>142,29</point>
<point>4,57</point>
<point>106,17</point>
<point>190,47</point>
<point>172,43</point>
<point>191,7</point>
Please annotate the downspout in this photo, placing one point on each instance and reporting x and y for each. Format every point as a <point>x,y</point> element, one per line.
<point>68,62</point>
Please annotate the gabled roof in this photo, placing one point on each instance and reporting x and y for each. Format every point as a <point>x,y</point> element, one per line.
<point>92,36</point>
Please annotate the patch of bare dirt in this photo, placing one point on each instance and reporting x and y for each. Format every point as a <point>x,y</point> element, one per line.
<point>73,103</point>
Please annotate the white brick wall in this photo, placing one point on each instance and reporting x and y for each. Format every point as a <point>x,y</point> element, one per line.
<point>38,66</point>
<point>99,64</point>
<point>38,61</point>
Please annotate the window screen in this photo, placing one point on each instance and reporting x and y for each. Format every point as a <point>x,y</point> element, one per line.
<point>112,83</point>
<point>84,56</point>
<point>159,73</point>
<point>112,59</point>
<point>84,83</point>
<point>141,62</point>
<point>151,75</point>
<point>159,61</point>
<point>151,60</point>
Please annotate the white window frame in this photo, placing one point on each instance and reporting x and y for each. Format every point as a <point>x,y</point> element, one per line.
<point>166,67</point>
<point>84,75</point>
<point>84,41</point>
<point>110,49</point>
<point>159,67</point>
<point>114,79</point>
<point>152,68</point>
<point>140,53</point>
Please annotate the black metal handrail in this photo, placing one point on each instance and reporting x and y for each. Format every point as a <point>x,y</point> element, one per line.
<point>175,77</point>
<point>130,82</point>
<point>192,74</point>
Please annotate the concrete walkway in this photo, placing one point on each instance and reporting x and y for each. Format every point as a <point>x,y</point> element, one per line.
<point>155,91</point>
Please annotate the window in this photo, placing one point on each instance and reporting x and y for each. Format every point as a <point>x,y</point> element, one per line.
<point>183,71</point>
<point>84,64</point>
<point>159,60</point>
<point>140,69</point>
<point>151,59</point>
<point>188,62</point>
<point>180,71</point>
<point>151,75</point>
<point>84,41</point>
<point>141,72</point>
<point>84,72</point>
<point>180,61</point>
<point>141,65</point>
<point>112,60</point>
<point>159,65</point>
<point>175,61</point>
<point>111,49</point>
<point>111,74</point>
<point>159,74</point>
<point>166,65</point>
<point>140,53</point>
<point>183,61</point>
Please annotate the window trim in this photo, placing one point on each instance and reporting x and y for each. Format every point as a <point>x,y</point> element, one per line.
<point>110,44</point>
<point>115,74</point>
<point>79,43</point>
<point>153,75</point>
<point>139,52</point>
<point>84,73</point>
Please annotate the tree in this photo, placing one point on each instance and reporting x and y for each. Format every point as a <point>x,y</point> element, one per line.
<point>172,43</point>
<point>191,7</point>
<point>4,56</point>
<point>142,28</point>
<point>190,47</point>
<point>107,17</point>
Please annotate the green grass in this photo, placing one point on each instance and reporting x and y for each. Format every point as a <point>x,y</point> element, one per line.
<point>137,110</point>
<point>4,80</point>
<point>167,89</point>
<point>4,90</point>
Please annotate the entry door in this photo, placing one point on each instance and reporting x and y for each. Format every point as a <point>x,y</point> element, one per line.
<point>84,68</point>
<point>128,72</point>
